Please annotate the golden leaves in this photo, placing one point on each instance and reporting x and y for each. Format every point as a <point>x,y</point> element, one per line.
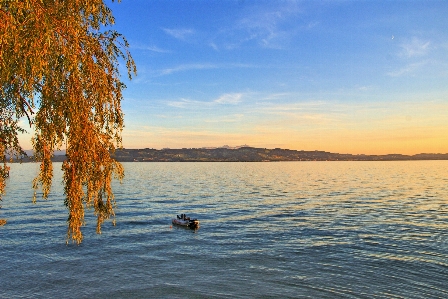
<point>53,50</point>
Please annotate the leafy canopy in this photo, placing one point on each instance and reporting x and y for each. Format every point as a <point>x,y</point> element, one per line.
<point>59,68</point>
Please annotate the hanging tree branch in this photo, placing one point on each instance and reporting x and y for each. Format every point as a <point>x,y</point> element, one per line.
<point>71,68</point>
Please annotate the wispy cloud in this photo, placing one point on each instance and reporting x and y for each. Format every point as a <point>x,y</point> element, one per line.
<point>229,98</point>
<point>187,67</point>
<point>275,96</point>
<point>183,103</point>
<point>151,48</point>
<point>161,137</point>
<point>365,88</point>
<point>225,99</point>
<point>298,106</point>
<point>268,26</point>
<point>299,114</point>
<point>415,47</point>
<point>214,46</point>
<point>415,54</point>
<point>181,34</point>
<point>202,66</point>
<point>226,119</point>
<point>408,69</point>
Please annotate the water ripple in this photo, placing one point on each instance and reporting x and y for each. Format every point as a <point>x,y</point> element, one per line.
<point>277,230</point>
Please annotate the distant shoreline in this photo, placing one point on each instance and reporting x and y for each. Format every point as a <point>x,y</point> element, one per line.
<point>247,154</point>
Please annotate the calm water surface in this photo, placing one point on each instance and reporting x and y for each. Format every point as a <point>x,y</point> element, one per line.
<point>268,230</point>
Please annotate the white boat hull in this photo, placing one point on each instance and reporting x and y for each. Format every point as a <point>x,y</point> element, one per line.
<point>193,223</point>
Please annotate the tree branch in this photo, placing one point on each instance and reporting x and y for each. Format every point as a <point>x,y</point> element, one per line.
<point>24,110</point>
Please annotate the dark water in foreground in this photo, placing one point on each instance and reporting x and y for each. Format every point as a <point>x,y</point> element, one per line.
<point>268,230</point>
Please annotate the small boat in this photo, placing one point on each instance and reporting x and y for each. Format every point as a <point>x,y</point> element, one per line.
<point>183,220</point>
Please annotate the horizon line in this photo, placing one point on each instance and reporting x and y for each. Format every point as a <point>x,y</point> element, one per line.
<point>277,148</point>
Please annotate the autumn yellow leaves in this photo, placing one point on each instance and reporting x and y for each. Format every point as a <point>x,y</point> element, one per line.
<point>56,61</point>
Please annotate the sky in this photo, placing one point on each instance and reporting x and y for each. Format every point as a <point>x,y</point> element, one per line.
<point>359,77</point>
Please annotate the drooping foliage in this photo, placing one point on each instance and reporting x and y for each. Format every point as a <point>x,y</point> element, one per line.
<point>59,70</point>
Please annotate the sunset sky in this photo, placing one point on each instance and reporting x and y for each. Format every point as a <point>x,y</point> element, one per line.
<point>341,76</point>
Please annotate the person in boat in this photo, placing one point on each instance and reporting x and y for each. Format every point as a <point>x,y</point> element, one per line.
<point>183,217</point>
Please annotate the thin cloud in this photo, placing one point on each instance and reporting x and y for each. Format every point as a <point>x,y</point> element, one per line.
<point>154,49</point>
<point>311,105</point>
<point>226,119</point>
<point>181,34</point>
<point>408,69</point>
<point>229,98</point>
<point>187,67</point>
<point>214,46</point>
<point>225,99</point>
<point>203,66</point>
<point>145,47</point>
<point>415,48</point>
<point>299,114</point>
<point>269,27</point>
<point>365,88</point>
<point>182,103</point>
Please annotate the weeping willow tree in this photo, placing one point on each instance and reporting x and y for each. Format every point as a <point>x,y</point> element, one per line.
<point>59,71</point>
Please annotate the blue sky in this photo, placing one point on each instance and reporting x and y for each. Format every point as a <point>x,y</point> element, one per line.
<point>341,76</point>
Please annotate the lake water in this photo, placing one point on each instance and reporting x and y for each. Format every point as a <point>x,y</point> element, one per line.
<point>268,230</point>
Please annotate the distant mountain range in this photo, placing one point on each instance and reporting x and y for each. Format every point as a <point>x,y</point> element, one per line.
<point>246,154</point>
